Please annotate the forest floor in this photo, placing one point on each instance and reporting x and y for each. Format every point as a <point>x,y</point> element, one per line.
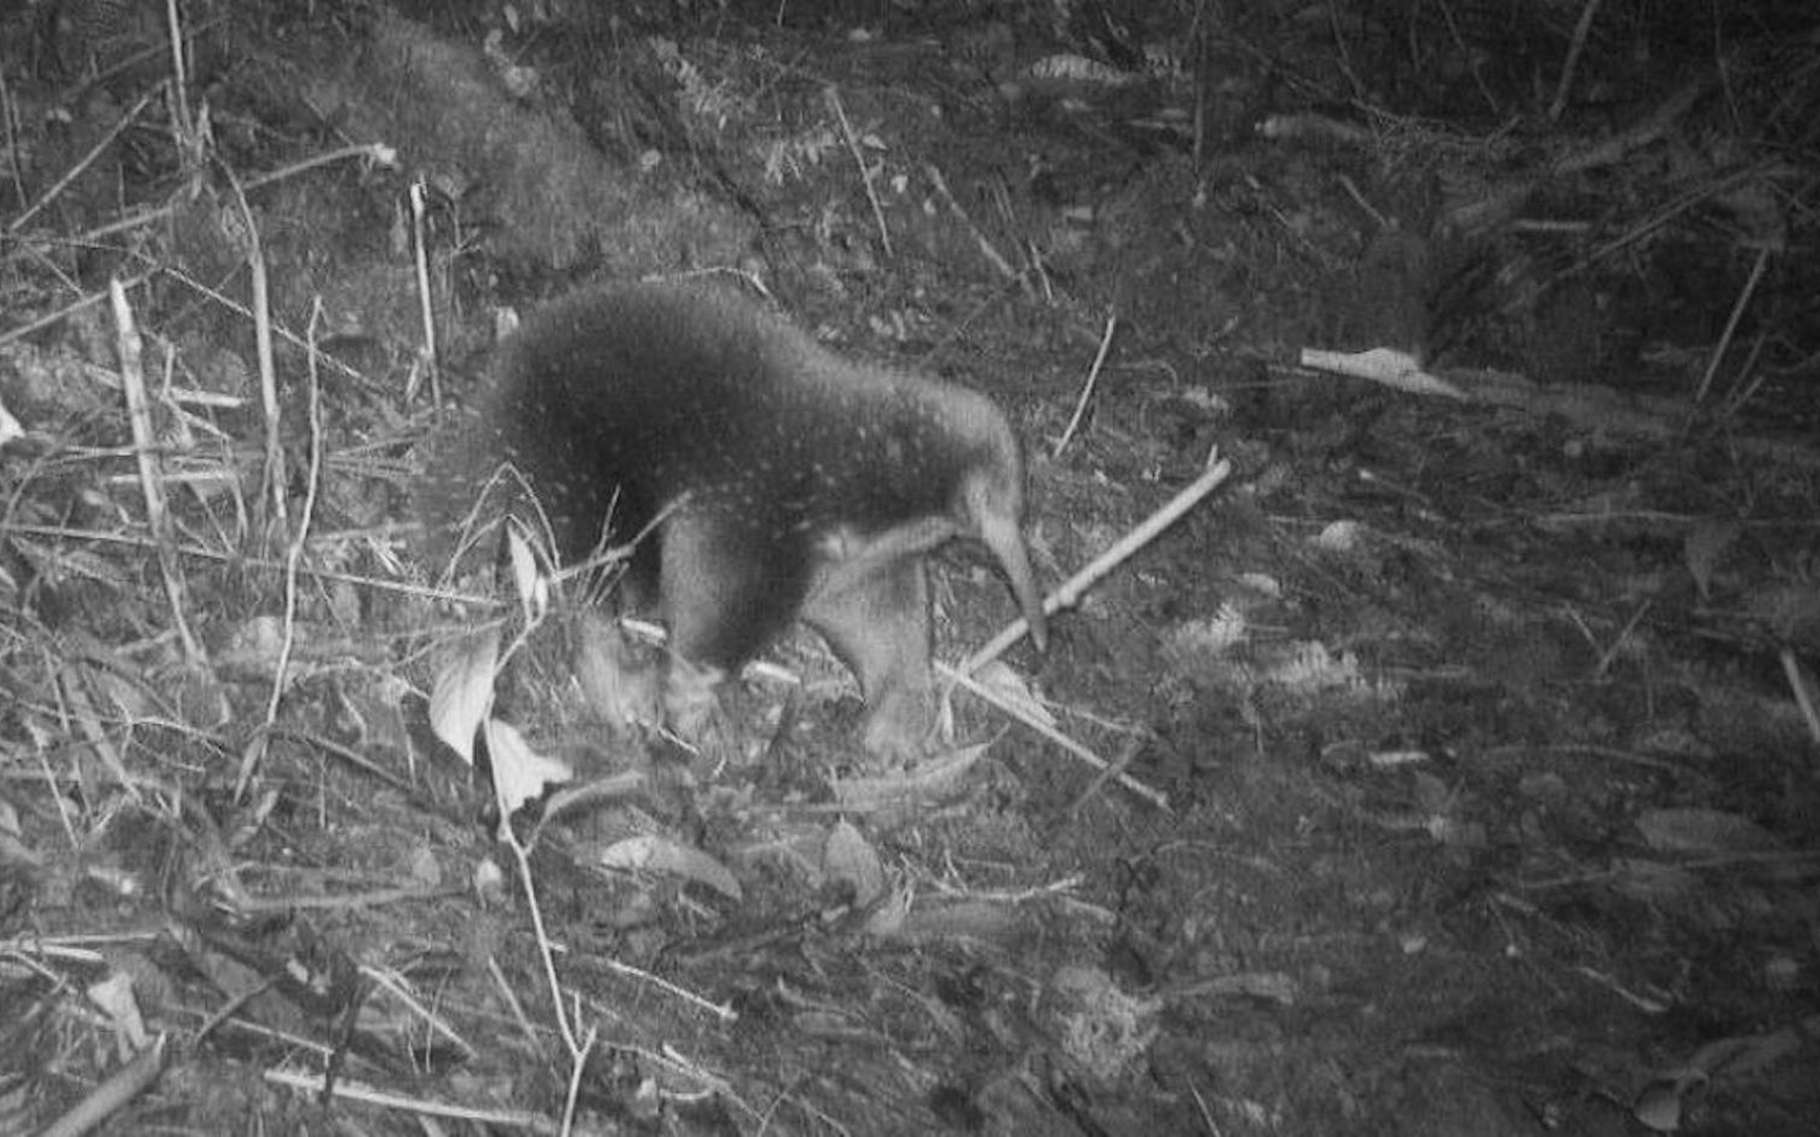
<point>1450,765</point>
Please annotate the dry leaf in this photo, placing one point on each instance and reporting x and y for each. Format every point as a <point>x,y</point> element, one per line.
<point>464,692</point>
<point>616,683</point>
<point>114,995</point>
<point>9,427</point>
<point>1703,831</point>
<point>931,780</point>
<point>886,920</point>
<point>848,857</point>
<point>532,588</point>
<point>520,774</point>
<point>1658,1107</point>
<point>1652,881</point>
<point>651,853</point>
<point>1704,547</point>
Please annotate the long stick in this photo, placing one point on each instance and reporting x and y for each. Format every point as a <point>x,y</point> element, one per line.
<point>1071,592</point>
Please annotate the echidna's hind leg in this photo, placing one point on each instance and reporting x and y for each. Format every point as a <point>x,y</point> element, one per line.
<point>877,622</point>
<point>726,586</point>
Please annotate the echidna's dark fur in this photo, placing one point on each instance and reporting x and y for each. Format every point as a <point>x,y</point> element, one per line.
<point>781,480</point>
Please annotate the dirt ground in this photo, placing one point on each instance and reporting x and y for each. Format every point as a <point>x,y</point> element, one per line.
<point>1449,765</point>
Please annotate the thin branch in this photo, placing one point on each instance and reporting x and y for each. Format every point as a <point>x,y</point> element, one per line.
<point>1093,377</point>
<point>1731,323</point>
<point>1559,103</point>
<point>86,160</point>
<point>151,480</point>
<point>1071,592</point>
<point>865,171</point>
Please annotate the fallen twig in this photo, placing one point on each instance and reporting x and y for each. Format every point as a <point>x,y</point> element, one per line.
<point>85,161</point>
<point>108,1098</point>
<point>865,172</point>
<point>151,482</point>
<point>1076,586</point>
<point>1087,388</point>
<point>960,678</point>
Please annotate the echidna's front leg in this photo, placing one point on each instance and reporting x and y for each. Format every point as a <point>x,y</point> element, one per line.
<point>878,624</point>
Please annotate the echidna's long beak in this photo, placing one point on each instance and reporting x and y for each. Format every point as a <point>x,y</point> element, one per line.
<point>1001,534</point>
